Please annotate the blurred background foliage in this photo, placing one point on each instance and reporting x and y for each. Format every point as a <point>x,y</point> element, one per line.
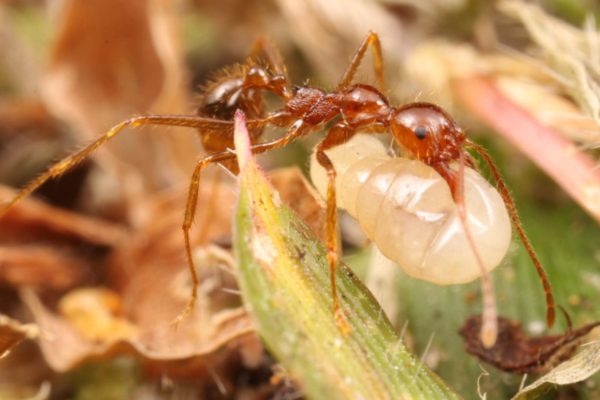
<point>42,114</point>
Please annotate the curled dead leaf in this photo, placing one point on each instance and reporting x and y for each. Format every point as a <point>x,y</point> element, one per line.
<point>515,352</point>
<point>149,272</point>
<point>64,347</point>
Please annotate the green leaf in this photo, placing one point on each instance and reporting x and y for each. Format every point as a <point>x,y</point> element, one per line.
<point>284,279</point>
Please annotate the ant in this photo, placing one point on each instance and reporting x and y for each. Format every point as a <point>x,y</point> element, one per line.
<point>425,131</point>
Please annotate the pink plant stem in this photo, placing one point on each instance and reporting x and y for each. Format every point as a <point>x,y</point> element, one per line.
<point>575,171</point>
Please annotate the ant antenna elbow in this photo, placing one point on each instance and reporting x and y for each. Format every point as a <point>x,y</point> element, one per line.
<point>512,211</point>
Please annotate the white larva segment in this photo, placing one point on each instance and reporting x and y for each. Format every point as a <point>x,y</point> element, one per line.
<point>343,158</point>
<point>353,180</point>
<point>407,209</point>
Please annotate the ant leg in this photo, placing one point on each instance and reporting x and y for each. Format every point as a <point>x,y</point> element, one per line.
<point>264,46</point>
<point>296,131</point>
<point>514,216</point>
<point>456,181</point>
<point>337,135</point>
<point>70,161</point>
<point>372,39</point>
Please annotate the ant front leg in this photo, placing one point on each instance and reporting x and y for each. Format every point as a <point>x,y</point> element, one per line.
<point>337,135</point>
<point>69,162</point>
<point>456,181</point>
<point>296,131</point>
<point>372,39</point>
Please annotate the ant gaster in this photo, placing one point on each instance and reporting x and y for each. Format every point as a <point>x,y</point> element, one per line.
<point>424,130</point>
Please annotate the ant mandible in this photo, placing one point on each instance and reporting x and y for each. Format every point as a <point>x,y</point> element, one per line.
<point>423,130</point>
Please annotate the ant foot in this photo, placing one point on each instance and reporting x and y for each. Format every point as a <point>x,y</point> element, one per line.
<point>489,335</point>
<point>189,307</point>
<point>341,321</point>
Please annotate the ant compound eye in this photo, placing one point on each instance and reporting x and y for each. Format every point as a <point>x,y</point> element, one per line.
<point>421,132</point>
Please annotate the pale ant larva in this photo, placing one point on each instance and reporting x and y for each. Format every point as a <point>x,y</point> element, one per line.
<point>416,209</point>
<point>407,209</point>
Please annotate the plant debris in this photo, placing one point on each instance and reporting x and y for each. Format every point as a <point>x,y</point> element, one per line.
<point>12,332</point>
<point>515,352</point>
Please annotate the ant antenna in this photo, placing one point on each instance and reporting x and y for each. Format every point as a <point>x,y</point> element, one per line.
<point>568,319</point>
<point>512,211</point>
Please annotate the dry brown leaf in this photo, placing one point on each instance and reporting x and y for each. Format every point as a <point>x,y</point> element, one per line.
<point>12,332</point>
<point>41,266</point>
<point>30,138</point>
<point>152,273</point>
<point>64,347</point>
<point>26,116</point>
<point>96,314</point>
<point>48,247</point>
<point>45,220</point>
<point>149,271</point>
<point>515,352</point>
<point>110,60</point>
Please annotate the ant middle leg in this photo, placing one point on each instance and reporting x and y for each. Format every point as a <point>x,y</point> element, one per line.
<point>456,181</point>
<point>372,39</point>
<point>337,135</point>
<point>296,131</point>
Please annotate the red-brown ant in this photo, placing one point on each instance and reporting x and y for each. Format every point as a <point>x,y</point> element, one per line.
<point>424,130</point>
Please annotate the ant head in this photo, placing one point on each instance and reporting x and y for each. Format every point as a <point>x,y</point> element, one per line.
<point>427,133</point>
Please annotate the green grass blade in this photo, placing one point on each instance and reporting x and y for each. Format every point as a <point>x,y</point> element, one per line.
<point>284,279</point>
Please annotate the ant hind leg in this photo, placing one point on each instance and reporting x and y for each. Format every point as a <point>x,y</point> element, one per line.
<point>372,39</point>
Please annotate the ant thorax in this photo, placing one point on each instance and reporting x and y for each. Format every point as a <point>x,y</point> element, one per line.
<point>362,105</point>
<point>408,210</point>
